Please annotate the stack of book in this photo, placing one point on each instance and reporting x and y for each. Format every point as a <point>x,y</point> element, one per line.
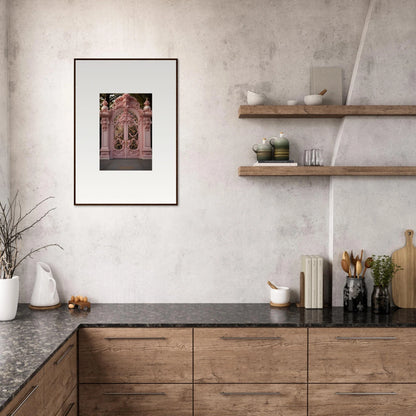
<point>276,163</point>
<point>312,268</point>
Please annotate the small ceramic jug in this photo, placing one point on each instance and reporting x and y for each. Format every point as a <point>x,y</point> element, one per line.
<point>264,150</point>
<point>44,291</point>
<point>281,147</point>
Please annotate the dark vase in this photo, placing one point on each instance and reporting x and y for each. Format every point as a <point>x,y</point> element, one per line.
<point>355,294</point>
<point>380,300</point>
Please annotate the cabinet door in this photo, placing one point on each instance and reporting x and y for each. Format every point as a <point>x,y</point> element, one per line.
<point>70,405</point>
<point>135,355</point>
<point>60,375</point>
<point>362,399</point>
<point>29,401</point>
<point>135,399</point>
<point>250,399</point>
<point>362,355</point>
<point>250,355</point>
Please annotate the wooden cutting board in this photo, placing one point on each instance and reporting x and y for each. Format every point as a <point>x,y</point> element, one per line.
<point>404,281</point>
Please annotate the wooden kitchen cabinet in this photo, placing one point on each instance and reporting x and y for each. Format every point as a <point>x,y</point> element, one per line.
<point>60,376</point>
<point>362,399</point>
<point>135,355</point>
<point>29,401</point>
<point>250,355</point>
<point>135,399</point>
<point>250,399</point>
<point>362,355</point>
<point>70,405</point>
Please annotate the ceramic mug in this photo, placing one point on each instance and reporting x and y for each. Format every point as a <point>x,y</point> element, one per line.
<point>280,296</point>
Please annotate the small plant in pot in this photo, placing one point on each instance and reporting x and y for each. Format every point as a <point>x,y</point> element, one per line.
<point>13,224</point>
<point>383,270</point>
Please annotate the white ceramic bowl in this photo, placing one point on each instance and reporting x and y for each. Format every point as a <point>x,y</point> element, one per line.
<point>280,295</point>
<point>254,98</point>
<point>315,99</point>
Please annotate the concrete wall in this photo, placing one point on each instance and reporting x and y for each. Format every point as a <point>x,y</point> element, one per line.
<point>229,235</point>
<point>4,110</point>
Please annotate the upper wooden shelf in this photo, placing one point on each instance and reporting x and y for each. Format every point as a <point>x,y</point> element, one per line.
<point>323,111</point>
<point>327,171</point>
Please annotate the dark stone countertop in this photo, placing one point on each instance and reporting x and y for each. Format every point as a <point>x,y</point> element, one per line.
<point>32,338</point>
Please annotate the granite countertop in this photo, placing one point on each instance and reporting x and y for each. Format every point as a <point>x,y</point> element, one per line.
<point>32,338</point>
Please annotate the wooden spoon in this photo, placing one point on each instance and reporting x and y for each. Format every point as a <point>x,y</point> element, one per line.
<point>271,284</point>
<point>323,92</point>
<point>346,258</point>
<point>367,264</point>
<point>345,267</point>
<point>359,267</point>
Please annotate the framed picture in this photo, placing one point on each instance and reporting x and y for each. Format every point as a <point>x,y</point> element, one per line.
<point>126,131</point>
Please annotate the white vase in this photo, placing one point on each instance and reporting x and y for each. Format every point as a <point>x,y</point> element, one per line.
<point>9,298</point>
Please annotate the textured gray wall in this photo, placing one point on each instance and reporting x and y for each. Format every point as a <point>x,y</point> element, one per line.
<point>4,112</point>
<point>228,235</point>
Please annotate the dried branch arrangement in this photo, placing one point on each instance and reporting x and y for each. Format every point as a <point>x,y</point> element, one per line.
<point>13,224</point>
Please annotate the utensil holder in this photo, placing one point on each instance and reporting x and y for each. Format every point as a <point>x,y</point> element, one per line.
<point>355,294</point>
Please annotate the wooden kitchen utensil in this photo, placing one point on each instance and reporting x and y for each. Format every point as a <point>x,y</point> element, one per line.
<point>271,284</point>
<point>404,281</point>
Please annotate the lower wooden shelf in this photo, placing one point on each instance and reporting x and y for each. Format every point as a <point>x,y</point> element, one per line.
<point>327,171</point>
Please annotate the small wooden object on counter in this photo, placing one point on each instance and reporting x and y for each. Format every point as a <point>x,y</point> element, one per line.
<point>280,305</point>
<point>79,302</point>
<point>404,281</point>
<point>45,308</point>
<point>301,303</point>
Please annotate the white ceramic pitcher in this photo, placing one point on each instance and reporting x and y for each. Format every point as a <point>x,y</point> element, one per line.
<point>44,291</point>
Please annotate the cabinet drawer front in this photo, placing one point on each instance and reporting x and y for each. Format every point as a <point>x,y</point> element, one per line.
<point>29,401</point>
<point>362,355</point>
<point>70,406</point>
<point>250,355</point>
<point>135,355</point>
<point>60,376</point>
<point>361,399</point>
<point>250,399</point>
<point>135,399</point>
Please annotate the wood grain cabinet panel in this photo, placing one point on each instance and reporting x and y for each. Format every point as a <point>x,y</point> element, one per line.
<point>362,355</point>
<point>135,355</point>
<point>362,399</point>
<point>250,355</point>
<point>250,399</point>
<point>135,399</point>
<point>60,376</point>
<point>70,405</point>
<point>29,401</point>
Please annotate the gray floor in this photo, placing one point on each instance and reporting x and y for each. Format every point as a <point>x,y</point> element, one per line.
<point>126,164</point>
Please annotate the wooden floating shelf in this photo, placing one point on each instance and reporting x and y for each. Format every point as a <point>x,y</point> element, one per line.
<point>327,171</point>
<point>323,111</point>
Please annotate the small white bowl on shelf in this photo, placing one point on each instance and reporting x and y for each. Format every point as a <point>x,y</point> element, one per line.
<point>314,99</point>
<point>254,98</point>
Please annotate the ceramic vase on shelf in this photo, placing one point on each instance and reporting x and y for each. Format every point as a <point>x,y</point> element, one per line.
<point>263,151</point>
<point>355,294</point>
<point>281,147</point>
<point>380,300</point>
<point>9,297</point>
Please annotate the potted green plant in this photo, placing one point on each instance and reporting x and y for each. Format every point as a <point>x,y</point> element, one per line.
<point>13,224</point>
<point>383,269</point>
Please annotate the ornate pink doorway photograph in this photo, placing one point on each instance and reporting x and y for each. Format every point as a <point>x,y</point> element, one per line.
<point>126,131</point>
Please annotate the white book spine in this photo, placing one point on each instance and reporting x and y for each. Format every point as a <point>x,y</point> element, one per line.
<point>314,282</point>
<point>320,283</point>
<point>307,271</point>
